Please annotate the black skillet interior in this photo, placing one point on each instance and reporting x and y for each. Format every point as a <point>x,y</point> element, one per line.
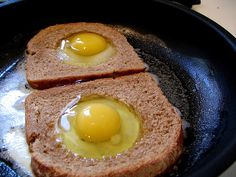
<point>199,54</point>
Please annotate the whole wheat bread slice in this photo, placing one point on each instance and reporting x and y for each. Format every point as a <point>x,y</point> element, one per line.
<point>157,150</point>
<point>44,69</point>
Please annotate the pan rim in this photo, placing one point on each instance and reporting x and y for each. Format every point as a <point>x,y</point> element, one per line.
<point>216,167</point>
<point>227,156</point>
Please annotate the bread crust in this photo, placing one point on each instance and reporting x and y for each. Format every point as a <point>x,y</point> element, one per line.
<point>44,69</point>
<point>158,149</point>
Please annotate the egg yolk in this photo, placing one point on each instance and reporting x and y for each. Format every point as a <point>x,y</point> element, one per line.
<point>98,122</point>
<point>87,44</point>
<point>98,127</point>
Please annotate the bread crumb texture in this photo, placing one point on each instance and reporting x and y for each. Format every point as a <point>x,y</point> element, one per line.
<point>44,69</point>
<point>158,149</point>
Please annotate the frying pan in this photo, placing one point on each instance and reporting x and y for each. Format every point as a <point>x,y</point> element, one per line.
<point>194,58</point>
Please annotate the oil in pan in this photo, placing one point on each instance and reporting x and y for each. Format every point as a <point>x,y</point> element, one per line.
<point>14,89</point>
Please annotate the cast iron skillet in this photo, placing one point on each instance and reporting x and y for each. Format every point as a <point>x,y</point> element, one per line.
<point>200,53</point>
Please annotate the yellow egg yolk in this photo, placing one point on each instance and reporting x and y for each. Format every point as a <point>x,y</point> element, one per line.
<point>98,127</point>
<point>97,122</point>
<point>87,44</point>
<point>85,49</point>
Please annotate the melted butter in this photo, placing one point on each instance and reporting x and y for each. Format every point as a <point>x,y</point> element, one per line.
<point>18,148</point>
<point>13,91</point>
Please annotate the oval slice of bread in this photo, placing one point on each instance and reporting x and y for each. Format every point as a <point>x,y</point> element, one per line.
<point>44,69</point>
<point>158,149</point>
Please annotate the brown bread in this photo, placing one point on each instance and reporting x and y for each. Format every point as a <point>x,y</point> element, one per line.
<point>44,69</point>
<point>157,150</point>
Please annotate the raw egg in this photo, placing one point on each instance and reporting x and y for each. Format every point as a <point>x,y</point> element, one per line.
<point>85,49</point>
<point>99,126</point>
<point>97,122</point>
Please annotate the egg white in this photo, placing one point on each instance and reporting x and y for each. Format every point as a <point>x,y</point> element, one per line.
<point>129,132</point>
<point>65,54</point>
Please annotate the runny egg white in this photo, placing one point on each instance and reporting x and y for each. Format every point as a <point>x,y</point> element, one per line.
<point>98,127</point>
<point>85,49</point>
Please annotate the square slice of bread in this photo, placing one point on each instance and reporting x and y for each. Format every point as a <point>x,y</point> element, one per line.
<point>44,69</point>
<point>161,142</point>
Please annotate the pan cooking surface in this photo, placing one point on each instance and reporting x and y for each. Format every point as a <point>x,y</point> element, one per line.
<point>193,59</point>
<point>194,91</point>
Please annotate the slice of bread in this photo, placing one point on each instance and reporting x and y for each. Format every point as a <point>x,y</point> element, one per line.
<point>158,149</point>
<point>44,69</point>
